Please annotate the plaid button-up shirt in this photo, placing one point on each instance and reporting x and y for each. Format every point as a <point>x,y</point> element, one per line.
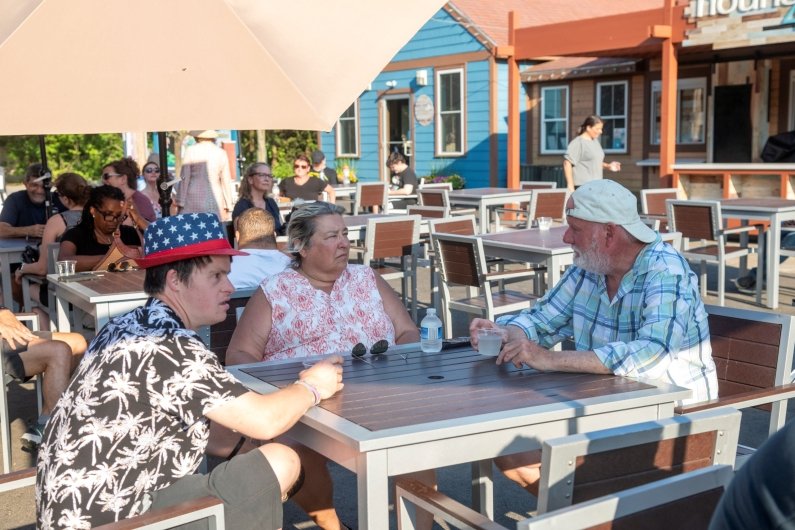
<point>655,327</point>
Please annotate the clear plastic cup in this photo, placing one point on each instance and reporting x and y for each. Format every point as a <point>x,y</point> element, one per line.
<point>66,267</point>
<point>490,341</point>
<point>544,223</point>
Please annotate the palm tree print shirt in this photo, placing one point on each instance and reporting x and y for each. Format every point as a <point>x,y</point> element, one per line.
<point>131,421</point>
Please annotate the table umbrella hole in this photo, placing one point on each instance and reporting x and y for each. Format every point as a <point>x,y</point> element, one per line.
<point>435,377</point>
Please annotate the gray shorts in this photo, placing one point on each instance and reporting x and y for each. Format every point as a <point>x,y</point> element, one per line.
<point>12,362</point>
<point>246,484</point>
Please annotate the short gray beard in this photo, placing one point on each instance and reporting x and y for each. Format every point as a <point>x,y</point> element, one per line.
<point>592,261</point>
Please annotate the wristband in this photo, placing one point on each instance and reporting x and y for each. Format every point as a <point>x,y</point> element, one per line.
<point>312,389</point>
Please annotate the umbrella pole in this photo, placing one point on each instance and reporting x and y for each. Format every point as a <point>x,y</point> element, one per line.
<point>163,184</point>
<point>46,181</point>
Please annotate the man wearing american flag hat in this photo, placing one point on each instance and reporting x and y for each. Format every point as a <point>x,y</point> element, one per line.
<point>130,431</point>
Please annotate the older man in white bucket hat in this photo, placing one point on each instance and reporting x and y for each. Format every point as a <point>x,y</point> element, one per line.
<point>630,304</point>
<point>206,181</point>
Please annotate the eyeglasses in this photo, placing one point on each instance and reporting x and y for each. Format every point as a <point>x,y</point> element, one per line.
<point>300,166</point>
<point>121,267</point>
<point>262,175</point>
<point>151,170</point>
<point>379,348</point>
<point>106,176</point>
<point>111,217</point>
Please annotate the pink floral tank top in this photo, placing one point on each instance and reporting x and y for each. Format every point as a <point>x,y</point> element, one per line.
<point>307,321</point>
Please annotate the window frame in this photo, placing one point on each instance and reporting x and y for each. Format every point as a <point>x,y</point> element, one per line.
<point>438,112</point>
<point>543,149</point>
<point>356,137</point>
<point>681,84</point>
<point>605,117</point>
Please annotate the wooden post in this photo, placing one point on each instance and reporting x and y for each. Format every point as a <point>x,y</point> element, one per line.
<point>670,65</point>
<point>513,108</point>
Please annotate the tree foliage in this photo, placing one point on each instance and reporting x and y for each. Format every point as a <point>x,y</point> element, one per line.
<point>282,148</point>
<point>85,154</point>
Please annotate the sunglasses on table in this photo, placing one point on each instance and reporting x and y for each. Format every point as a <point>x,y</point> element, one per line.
<point>151,170</point>
<point>379,348</point>
<point>121,267</point>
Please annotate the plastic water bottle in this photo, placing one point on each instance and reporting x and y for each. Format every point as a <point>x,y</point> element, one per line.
<point>431,332</point>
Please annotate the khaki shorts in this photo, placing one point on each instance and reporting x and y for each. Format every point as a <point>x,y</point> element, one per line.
<point>246,484</point>
<point>12,362</point>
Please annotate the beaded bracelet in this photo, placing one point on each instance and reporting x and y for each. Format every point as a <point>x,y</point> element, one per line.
<point>312,389</point>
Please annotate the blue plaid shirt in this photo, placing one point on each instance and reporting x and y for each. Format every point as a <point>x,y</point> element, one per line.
<point>654,328</point>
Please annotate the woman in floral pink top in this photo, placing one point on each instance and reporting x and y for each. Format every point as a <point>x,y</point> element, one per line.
<point>320,305</point>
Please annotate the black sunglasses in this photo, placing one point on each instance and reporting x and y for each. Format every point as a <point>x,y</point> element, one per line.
<point>151,170</point>
<point>121,267</point>
<point>379,348</point>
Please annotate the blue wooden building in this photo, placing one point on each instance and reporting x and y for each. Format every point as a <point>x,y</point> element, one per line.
<point>442,100</point>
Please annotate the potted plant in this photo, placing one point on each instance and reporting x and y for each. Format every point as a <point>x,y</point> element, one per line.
<point>346,170</point>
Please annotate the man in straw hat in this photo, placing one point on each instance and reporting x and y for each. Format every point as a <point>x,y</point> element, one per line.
<point>206,182</point>
<point>130,431</point>
<point>630,304</point>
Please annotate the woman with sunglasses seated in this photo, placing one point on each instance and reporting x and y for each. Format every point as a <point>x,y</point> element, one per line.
<point>256,186</point>
<point>320,305</point>
<point>123,174</point>
<point>302,186</point>
<point>91,239</point>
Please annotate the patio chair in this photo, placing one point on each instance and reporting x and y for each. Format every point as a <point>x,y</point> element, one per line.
<point>395,238</point>
<point>209,508</point>
<point>5,420</point>
<point>701,222</point>
<point>372,196</point>
<point>217,336</point>
<point>753,352</point>
<point>588,467</point>
<point>435,185</point>
<point>29,303</point>
<point>550,202</point>
<point>652,205</point>
<point>462,263</point>
<point>438,197</point>
<point>684,502</point>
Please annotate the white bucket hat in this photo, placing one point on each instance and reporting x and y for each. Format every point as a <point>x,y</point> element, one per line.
<point>607,201</point>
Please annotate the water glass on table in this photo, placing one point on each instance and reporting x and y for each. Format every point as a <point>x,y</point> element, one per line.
<point>66,267</point>
<point>490,341</point>
<point>544,223</point>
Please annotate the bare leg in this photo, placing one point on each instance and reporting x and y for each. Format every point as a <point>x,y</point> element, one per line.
<point>285,464</point>
<point>522,468</point>
<point>54,360</point>
<point>316,497</point>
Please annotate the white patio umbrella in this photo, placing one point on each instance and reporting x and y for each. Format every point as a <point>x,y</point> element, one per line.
<point>90,66</point>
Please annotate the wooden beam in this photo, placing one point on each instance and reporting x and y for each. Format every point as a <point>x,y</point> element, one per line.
<point>670,67</point>
<point>513,108</point>
<point>661,31</point>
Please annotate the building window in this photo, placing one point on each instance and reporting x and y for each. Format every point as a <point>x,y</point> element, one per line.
<point>691,104</point>
<point>554,119</point>
<point>450,112</point>
<point>348,133</point>
<point>611,106</point>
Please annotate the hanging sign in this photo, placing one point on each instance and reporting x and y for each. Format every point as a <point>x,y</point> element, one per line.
<point>423,110</point>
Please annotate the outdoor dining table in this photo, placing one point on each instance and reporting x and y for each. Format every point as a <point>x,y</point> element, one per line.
<point>429,410</point>
<point>532,246</point>
<point>775,211</point>
<point>103,295</point>
<point>10,252</point>
<point>485,198</point>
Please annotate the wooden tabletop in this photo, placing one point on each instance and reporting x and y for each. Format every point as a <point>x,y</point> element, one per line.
<point>391,392</point>
<point>484,192</point>
<point>531,237</point>
<point>106,284</point>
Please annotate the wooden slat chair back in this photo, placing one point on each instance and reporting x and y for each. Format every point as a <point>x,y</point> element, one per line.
<point>217,336</point>
<point>32,321</point>
<point>705,240</point>
<point>536,185</point>
<point>585,466</point>
<point>369,195</point>
<point>548,203</point>
<point>462,263</point>
<point>395,238</point>
<point>435,185</point>
<point>432,197</point>
<point>204,508</point>
<point>464,225</point>
<point>681,502</point>
<point>428,212</point>
<point>753,354</point>
<point>652,202</point>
